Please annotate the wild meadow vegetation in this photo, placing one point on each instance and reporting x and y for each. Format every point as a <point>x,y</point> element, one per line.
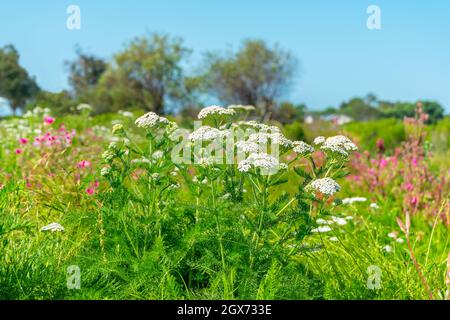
<point>147,207</point>
<point>145,193</point>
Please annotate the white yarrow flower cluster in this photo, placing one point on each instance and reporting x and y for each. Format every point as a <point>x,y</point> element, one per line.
<point>53,227</point>
<point>260,126</point>
<point>241,107</point>
<point>334,220</point>
<point>158,154</point>
<point>337,144</point>
<point>207,133</point>
<point>105,171</point>
<point>321,229</point>
<point>247,146</point>
<point>326,186</point>
<point>141,160</point>
<point>262,161</point>
<point>373,205</point>
<point>84,106</point>
<point>319,140</point>
<point>126,114</point>
<point>303,148</point>
<point>215,111</point>
<point>151,120</point>
<point>353,200</point>
<point>274,138</point>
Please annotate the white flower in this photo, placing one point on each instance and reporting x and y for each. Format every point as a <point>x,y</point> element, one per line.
<point>323,221</point>
<point>215,111</point>
<point>205,161</point>
<point>151,120</point>
<point>174,186</point>
<point>269,164</point>
<point>339,221</point>
<point>334,239</point>
<point>392,235</point>
<point>339,144</point>
<point>399,240</point>
<point>53,227</point>
<point>141,160</point>
<point>260,126</point>
<point>321,229</point>
<point>387,248</point>
<point>207,133</point>
<point>244,166</point>
<point>226,196</point>
<point>105,171</point>
<point>84,106</point>
<point>126,114</point>
<point>274,138</point>
<point>354,199</point>
<point>158,154</point>
<point>241,107</point>
<point>373,205</point>
<point>247,146</point>
<point>319,140</point>
<point>108,155</point>
<point>301,147</point>
<point>326,186</point>
<point>349,217</point>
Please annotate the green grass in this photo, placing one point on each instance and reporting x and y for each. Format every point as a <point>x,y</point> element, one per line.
<point>136,240</point>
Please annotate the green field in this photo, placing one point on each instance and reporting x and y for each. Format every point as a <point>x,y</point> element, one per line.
<point>130,222</point>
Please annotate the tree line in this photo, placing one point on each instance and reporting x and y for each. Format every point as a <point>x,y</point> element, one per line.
<point>149,74</point>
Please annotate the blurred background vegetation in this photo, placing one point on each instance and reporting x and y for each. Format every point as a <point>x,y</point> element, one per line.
<point>149,74</point>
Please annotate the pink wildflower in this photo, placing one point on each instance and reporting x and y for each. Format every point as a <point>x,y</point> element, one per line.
<point>383,163</point>
<point>83,164</point>
<point>49,120</point>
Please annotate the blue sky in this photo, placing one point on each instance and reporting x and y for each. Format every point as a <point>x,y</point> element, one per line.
<point>408,59</point>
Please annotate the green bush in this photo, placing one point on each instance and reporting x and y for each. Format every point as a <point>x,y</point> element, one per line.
<point>367,133</point>
<point>294,131</point>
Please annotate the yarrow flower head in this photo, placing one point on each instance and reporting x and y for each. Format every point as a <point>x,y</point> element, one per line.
<point>326,186</point>
<point>247,146</point>
<point>53,227</point>
<point>321,229</point>
<point>267,163</point>
<point>126,114</point>
<point>108,155</point>
<point>105,171</point>
<point>302,148</point>
<point>353,200</point>
<point>240,107</point>
<point>84,107</point>
<point>338,144</point>
<point>319,140</point>
<point>207,133</point>
<point>259,126</point>
<point>151,120</point>
<point>158,154</point>
<point>215,111</point>
<point>273,138</point>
